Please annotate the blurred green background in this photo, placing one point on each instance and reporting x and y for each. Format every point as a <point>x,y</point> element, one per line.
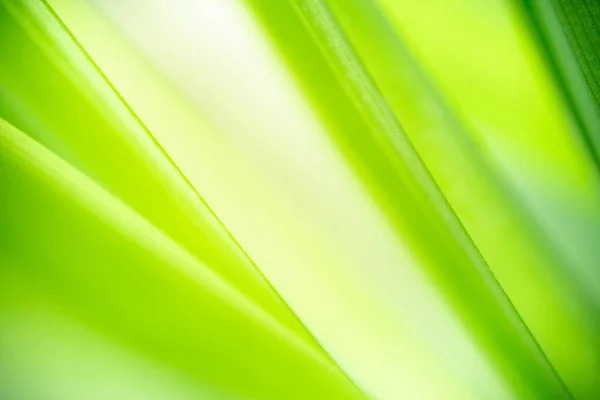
<point>299,199</point>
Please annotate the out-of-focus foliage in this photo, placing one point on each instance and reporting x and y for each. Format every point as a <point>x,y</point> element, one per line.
<point>303,199</point>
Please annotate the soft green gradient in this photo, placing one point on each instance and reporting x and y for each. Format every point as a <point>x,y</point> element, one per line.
<point>111,268</point>
<point>116,150</point>
<point>489,206</point>
<point>303,199</point>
